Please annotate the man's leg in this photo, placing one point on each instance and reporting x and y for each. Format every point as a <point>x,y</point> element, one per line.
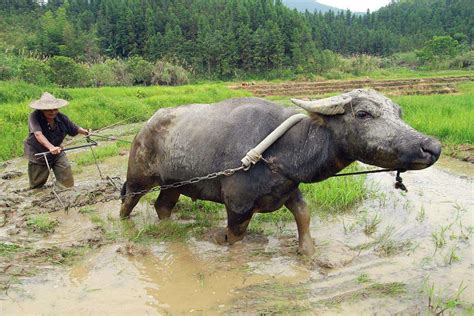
<point>63,172</point>
<point>38,175</point>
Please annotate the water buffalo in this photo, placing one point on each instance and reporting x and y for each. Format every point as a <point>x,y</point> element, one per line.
<point>180,143</point>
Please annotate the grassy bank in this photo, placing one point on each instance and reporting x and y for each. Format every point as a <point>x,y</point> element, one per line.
<point>96,107</point>
<point>447,117</point>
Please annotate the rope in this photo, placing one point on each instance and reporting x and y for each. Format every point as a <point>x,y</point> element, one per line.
<point>117,123</point>
<point>361,172</point>
<point>110,138</point>
<point>255,154</point>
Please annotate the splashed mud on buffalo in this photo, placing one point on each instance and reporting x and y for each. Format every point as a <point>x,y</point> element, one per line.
<point>180,143</point>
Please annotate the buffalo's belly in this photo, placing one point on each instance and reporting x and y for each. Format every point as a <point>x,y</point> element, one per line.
<point>202,192</point>
<point>270,203</point>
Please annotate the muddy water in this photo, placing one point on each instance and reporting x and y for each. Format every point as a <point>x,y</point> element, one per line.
<point>438,203</point>
<point>422,239</point>
<point>167,278</point>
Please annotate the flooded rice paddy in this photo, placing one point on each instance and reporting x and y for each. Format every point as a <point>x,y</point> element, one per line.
<point>397,252</point>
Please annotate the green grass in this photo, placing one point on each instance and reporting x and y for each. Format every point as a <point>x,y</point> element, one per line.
<point>41,223</point>
<point>447,117</point>
<point>96,107</point>
<point>326,198</point>
<point>363,278</point>
<point>101,153</point>
<point>407,73</point>
<point>7,249</point>
<point>437,115</point>
<point>166,230</point>
<point>87,210</point>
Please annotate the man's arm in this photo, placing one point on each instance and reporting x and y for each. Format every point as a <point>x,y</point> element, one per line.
<point>83,131</point>
<point>45,142</point>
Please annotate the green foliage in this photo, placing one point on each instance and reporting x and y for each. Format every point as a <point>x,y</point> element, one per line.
<point>7,249</point>
<point>164,73</point>
<point>448,117</point>
<point>35,71</point>
<point>96,107</point>
<point>405,59</point>
<point>101,74</point>
<point>9,65</point>
<point>66,73</point>
<point>229,39</point>
<point>100,154</point>
<point>41,223</point>
<point>463,61</point>
<point>119,70</point>
<point>140,70</point>
<point>363,64</point>
<point>220,39</point>
<point>438,49</point>
<point>325,61</point>
<point>336,195</point>
<point>166,230</point>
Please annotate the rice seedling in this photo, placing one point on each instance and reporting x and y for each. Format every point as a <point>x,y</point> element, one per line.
<point>41,223</point>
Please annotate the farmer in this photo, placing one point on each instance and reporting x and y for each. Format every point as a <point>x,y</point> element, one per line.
<point>47,129</point>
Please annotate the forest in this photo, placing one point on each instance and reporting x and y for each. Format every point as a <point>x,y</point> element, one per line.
<point>173,41</point>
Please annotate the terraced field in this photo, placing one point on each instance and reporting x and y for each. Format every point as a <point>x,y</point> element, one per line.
<point>421,86</point>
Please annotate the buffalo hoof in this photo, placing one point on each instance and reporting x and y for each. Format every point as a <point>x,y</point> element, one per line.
<point>306,250</point>
<point>306,246</point>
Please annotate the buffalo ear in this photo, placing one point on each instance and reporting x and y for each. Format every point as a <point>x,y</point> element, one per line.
<point>327,106</point>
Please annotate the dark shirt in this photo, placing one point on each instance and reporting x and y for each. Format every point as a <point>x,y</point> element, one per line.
<point>54,134</point>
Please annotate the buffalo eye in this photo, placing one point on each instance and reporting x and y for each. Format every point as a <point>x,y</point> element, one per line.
<point>363,115</point>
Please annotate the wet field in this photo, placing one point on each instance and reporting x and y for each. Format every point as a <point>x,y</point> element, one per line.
<point>397,252</point>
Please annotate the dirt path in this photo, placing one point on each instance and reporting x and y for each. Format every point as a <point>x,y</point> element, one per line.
<point>440,85</point>
<point>384,256</point>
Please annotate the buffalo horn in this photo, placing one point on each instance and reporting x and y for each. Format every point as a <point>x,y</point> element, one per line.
<point>327,106</point>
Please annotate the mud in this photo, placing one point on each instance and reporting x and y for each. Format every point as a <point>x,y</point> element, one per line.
<point>382,257</point>
<point>442,85</point>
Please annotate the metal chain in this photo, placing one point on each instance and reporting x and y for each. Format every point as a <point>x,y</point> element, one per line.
<point>106,198</point>
<point>226,173</point>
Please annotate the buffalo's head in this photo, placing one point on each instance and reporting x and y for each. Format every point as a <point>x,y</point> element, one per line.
<point>369,128</point>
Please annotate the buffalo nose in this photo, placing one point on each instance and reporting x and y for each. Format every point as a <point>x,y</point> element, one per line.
<point>432,147</point>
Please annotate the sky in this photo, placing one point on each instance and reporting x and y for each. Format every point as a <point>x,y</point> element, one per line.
<point>356,5</point>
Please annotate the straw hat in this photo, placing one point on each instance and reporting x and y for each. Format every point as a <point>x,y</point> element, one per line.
<point>48,102</point>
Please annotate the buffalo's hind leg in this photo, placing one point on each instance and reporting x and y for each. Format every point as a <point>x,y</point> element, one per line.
<point>165,202</point>
<point>300,211</point>
<point>237,224</point>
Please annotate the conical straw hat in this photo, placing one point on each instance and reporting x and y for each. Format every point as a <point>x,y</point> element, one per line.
<point>48,102</point>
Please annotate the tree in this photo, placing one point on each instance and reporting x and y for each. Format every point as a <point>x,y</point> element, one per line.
<point>438,49</point>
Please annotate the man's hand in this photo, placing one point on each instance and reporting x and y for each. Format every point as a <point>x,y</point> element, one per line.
<point>85,132</point>
<point>55,150</point>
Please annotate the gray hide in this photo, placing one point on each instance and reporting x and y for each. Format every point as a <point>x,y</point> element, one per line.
<point>180,143</point>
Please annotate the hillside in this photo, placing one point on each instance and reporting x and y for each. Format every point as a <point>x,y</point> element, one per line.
<point>310,5</point>
<point>223,39</point>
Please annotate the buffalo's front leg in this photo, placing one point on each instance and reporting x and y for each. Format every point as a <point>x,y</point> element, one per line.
<point>300,211</point>
<point>130,197</point>
<point>128,203</point>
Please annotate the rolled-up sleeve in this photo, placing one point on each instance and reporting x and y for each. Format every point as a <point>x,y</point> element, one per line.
<point>33,123</point>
